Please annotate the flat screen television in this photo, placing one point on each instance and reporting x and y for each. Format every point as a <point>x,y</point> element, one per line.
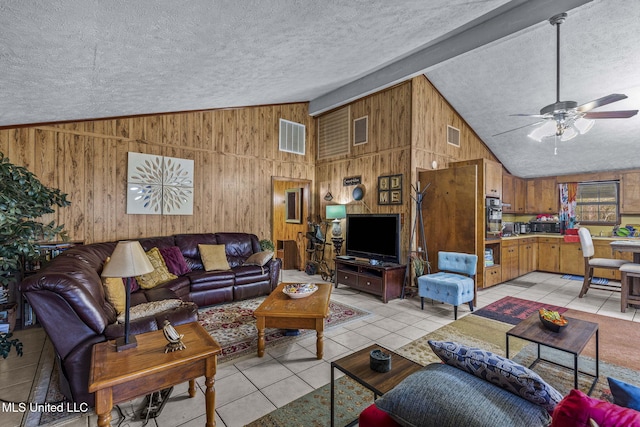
<point>373,236</point>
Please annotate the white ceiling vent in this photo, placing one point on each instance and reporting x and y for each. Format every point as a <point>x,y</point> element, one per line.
<point>292,136</point>
<point>334,133</point>
<point>453,136</point>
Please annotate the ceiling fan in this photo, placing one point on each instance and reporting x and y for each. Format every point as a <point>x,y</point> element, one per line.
<point>567,119</point>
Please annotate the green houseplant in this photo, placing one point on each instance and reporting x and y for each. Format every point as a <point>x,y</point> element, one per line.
<point>267,245</point>
<point>23,199</point>
<point>6,343</point>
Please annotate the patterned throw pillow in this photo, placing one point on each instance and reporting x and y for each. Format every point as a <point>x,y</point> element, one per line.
<point>498,370</point>
<point>150,309</point>
<point>214,257</point>
<point>175,260</point>
<point>160,273</point>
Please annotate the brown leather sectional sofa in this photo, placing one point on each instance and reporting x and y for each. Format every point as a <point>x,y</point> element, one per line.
<point>69,300</point>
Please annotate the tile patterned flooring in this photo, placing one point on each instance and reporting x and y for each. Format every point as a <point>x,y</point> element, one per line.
<point>251,387</point>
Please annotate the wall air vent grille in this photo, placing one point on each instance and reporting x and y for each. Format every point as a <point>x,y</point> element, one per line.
<point>334,133</point>
<point>292,137</point>
<point>361,130</point>
<point>453,136</point>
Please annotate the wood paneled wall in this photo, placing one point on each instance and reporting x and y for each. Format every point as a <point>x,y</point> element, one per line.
<point>235,155</point>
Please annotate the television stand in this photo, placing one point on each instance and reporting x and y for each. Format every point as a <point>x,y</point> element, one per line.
<point>385,280</point>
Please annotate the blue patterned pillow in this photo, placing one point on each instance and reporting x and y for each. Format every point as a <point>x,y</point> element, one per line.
<point>498,370</point>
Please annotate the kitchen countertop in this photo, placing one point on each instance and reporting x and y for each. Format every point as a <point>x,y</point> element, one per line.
<point>560,237</point>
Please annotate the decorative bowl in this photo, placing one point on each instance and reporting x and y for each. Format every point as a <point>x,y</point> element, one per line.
<point>557,324</point>
<point>299,290</point>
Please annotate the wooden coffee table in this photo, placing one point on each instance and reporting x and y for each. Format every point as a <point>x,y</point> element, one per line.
<point>281,311</point>
<point>571,339</point>
<point>356,366</point>
<point>121,376</point>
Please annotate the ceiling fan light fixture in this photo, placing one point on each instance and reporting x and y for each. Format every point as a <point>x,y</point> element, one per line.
<point>584,125</point>
<point>541,132</point>
<point>568,134</point>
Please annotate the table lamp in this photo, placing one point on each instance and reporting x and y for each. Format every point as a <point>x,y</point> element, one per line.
<point>127,260</point>
<point>336,212</point>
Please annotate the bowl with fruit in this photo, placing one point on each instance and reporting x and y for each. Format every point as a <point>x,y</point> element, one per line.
<point>552,320</point>
<point>299,290</point>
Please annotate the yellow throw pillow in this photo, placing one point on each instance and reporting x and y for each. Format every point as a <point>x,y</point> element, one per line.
<point>160,273</point>
<point>214,257</point>
<point>114,292</point>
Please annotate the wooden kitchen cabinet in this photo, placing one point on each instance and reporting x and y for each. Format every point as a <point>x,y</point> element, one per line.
<point>571,258</point>
<point>509,260</point>
<point>490,173</point>
<point>542,196</point>
<point>630,193</point>
<point>549,254</point>
<point>527,255</point>
<point>602,249</point>
<point>492,276</point>
<point>492,179</point>
<point>514,193</point>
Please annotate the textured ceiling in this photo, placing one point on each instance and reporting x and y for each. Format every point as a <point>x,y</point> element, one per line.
<point>82,59</point>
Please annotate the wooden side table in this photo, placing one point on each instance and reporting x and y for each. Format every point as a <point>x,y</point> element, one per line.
<point>117,377</point>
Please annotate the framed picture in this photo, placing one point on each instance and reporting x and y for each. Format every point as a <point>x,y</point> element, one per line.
<point>390,189</point>
<point>293,205</point>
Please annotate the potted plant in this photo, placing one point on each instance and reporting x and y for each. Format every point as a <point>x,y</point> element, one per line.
<point>267,245</point>
<point>6,343</point>
<point>419,268</point>
<point>23,199</point>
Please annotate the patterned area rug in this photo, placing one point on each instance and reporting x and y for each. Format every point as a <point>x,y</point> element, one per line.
<point>313,409</point>
<point>595,280</point>
<point>234,326</point>
<point>513,310</point>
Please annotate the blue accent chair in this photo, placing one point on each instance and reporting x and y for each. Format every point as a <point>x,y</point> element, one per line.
<point>453,284</point>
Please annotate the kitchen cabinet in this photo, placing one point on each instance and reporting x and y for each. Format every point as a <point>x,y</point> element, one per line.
<point>490,175</point>
<point>571,258</point>
<point>514,193</point>
<point>492,276</point>
<point>509,260</point>
<point>542,196</point>
<point>602,249</point>
<point>630,193</point>
<point>492,178</point>
<point>527,255</point>
<point>549,254</point>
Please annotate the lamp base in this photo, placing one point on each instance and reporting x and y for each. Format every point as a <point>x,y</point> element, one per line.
<point>122,346</point>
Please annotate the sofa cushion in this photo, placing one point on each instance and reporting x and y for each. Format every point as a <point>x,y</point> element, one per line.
<point>188,244</point>
<point>174,260</point>
<point>239,246</point>
<point>259,258</point>
<point>577,409</point>
<point>441,395</point>
<point>213,257</point>
<point>498,370</point>
<point>160,273</point>
<point>626,395</point>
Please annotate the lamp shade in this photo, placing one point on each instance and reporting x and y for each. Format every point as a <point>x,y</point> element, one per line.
<point>127,260</point>
<point>336,212</point>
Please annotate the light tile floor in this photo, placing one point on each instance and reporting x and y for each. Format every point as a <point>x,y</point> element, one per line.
<point>251,387</point>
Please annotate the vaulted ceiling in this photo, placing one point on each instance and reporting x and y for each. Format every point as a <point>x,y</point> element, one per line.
<point>66,60</point>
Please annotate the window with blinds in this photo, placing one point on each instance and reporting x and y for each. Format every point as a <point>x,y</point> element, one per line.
<point>334,133</point>
<point>597,203</point>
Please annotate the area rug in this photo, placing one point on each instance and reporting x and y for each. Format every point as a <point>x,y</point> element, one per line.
<point>595,280</point>
<point>234,326</point>
<point>513,310</point>
<point>313,409</point>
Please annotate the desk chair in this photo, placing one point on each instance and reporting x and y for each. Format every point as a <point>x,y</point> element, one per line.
<point>590,263</point>
<point>453,284</point>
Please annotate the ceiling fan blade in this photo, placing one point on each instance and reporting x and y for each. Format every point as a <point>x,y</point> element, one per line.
<point>539,116</point>
<point>521,127</point>
<point>614,97</point>
<point>623,114</point>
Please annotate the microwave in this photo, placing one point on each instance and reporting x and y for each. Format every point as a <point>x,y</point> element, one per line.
<point>545,227</point>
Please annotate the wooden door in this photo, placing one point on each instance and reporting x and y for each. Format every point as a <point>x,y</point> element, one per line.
<point>281,229</point>
<point>492,178</point>
<point>508,194</point>
<point>571,258</point>
<point>520,195</point>
<point>549,255</point>
<point>509,259</point>
<point>450,211</point>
